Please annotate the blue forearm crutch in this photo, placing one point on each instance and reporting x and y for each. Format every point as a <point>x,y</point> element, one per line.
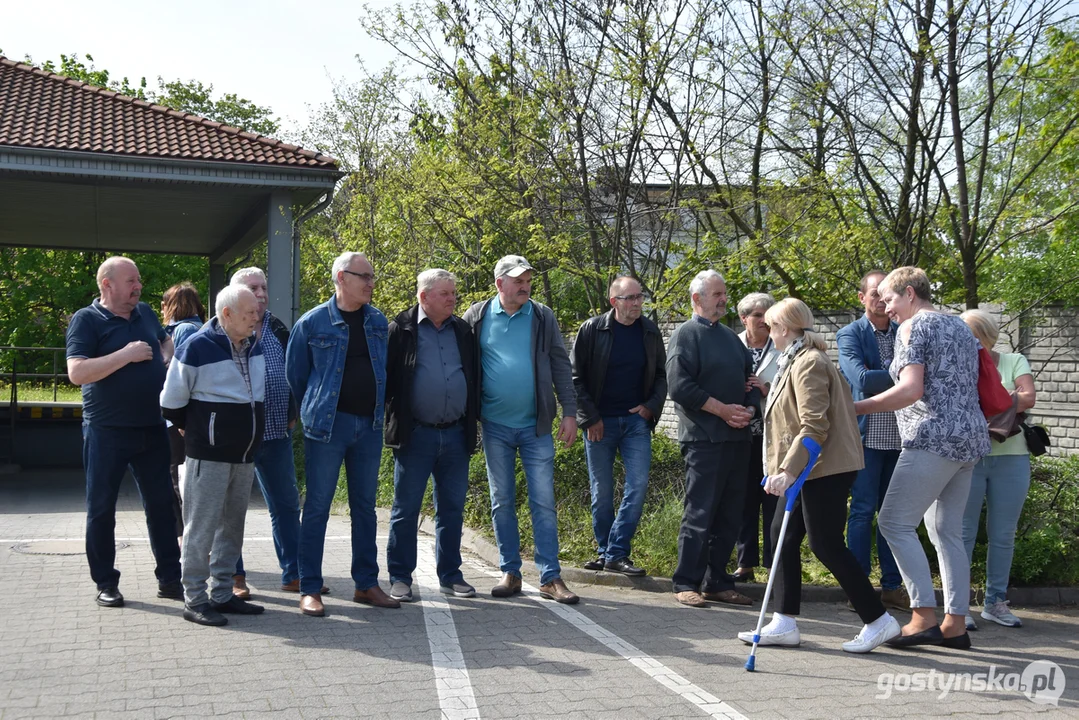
<point>813,448</point>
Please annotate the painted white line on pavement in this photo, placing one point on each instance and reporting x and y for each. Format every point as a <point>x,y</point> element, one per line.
<point>656,670</point>
<point>455,696</point>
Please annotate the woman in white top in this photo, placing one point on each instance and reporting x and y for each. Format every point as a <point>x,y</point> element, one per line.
<point>1000,481</point>
<point>751,310</point>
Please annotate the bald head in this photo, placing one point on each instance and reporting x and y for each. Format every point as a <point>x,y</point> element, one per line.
<point>108,269</point>
<point>120,284</point>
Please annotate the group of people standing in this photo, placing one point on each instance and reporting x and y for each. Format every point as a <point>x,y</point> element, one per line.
<point>429,384</point>
<point>909,374</point>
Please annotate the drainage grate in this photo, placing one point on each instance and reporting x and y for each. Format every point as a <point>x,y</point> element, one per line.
<point>56,547</point>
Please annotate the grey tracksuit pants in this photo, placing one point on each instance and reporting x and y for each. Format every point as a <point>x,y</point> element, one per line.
<point>215,501</point>
<point>934,488</point>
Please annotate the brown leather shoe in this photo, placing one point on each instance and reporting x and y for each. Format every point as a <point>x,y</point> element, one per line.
<point>239,587</point>
<point>732,597</point>
<point>692,598</point>
<point>294,586</point>
<point>895,599</point>
<point>312,605</point>
<point>374,595</point>
<point>510,584</point>
<point>556,590</point>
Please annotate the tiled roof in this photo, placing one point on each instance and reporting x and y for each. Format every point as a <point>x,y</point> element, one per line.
<point>40,109</point>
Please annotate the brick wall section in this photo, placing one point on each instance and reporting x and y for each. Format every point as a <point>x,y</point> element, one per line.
<point>1050,342</point>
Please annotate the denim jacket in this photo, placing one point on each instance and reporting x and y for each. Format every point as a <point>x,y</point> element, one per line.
<point>315,363</point>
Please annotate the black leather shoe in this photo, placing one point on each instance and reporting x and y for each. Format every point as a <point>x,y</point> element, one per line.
<point>959,642</point>
<point>172,590</point>
<point>596,564</point>
<point>932,636</point>
<point>237,606</point>
<point>624,566</point>
<point>110,597</point>
<point>205,615</point>
<point>744,575</point>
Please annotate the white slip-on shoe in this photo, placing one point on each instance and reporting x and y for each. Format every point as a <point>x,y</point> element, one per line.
<point>867,640</point>
<point>969,622</point>
<point>790,638</point>
<point>999,613</point>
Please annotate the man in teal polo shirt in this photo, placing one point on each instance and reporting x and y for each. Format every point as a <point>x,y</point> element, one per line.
<point>522,364</point>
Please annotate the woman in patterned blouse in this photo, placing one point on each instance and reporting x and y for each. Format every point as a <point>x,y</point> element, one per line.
<point>935,398</point>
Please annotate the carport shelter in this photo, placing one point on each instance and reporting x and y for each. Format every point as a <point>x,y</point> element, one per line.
<point>85,168</point>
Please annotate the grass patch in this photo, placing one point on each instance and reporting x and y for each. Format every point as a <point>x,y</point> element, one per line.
<point>1046,551</point>
<point>29,392</point>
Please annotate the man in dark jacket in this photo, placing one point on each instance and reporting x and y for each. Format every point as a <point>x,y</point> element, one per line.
<point>431,426</point>
<point>618,372</point>
<point>214,393</point>
<point>708,369</point>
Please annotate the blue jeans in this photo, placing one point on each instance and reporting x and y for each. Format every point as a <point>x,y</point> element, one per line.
<point>275,470</point>
<point>107,453</point>
<point>631,436</point>
<point>866,497</point>
<point>441,453</point>
<point>501,445</point>
<point>1001,482</point>
<point>354,442</point>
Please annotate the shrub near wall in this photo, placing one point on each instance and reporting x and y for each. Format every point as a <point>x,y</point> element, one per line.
<point>1046,548</point>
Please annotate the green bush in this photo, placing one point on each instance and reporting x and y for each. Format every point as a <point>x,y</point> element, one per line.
<point>1046,549</point>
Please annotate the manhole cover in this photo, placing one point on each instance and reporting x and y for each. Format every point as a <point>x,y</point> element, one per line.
<point>56,547</point>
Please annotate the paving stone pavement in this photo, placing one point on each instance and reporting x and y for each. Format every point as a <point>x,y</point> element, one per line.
<point>619,654</point>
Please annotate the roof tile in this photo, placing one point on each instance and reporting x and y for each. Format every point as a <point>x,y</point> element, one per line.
<point>46,110</point>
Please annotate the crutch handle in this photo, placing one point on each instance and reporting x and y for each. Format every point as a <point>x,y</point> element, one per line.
<point>813,448</point>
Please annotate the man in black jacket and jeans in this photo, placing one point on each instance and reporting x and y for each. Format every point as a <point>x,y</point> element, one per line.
<point>431,426</point>
<point>621,383</point>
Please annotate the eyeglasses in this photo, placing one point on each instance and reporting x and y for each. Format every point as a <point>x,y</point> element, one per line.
<point>631,298</point>
<point>366,277</point>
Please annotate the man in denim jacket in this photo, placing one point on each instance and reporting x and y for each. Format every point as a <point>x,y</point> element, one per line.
<point>336,368</point>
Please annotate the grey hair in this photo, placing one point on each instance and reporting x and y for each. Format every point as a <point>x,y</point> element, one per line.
<point>342,261</point>
<point>239,276</point>
<point>619,281</point>
<point>106,269</point>
<point>754,301</point>
<point>429,278</point>
<point>228,297</point>
<point>696,286</point>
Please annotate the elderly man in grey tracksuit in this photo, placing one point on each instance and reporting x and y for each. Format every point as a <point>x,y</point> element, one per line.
<point>214,392</point>
<point>522,364</point>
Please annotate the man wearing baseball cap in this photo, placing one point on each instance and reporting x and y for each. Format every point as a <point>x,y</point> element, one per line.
<point>522,365</point>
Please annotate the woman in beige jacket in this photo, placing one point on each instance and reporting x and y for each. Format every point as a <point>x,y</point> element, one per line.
<point>809,398</point>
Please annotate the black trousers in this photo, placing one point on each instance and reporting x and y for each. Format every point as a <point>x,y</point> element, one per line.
<point>821,513</point>
<point>756,499</point>
<point>177,457</point>
<point>715,491</point>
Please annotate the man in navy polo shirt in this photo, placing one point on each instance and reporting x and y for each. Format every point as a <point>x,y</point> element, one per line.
<point>116,350</point>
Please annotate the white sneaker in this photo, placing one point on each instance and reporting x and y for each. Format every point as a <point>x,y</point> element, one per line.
<point>971,625</point>
<point>401,592</point>
<point>999,613</point>
<point>790,638</point>
<point>868,640</point>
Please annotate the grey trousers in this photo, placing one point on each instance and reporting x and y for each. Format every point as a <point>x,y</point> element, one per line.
<point>934,488</point>
<point>215,507</point>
